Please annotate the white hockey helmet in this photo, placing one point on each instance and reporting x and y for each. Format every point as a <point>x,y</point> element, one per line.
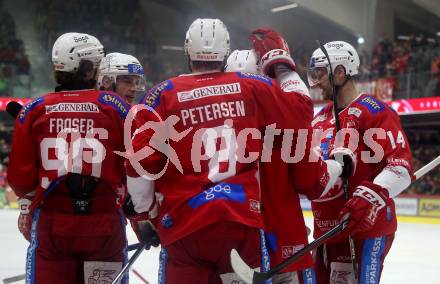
<point>117,64</point>
<point>340,53</point>
<point>243,61</point>
<point>70,48</point>
<point>207,40</point>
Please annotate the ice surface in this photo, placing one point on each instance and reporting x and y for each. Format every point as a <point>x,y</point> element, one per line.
<point>414,257</point>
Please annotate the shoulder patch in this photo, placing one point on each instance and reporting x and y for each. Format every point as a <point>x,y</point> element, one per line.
<point>28,107</point>
<point>319,118</point>
<point>354,111</point>
<point>152,97</point>
<point>116,102</point>
<point>261,78</point>
<point>372,104</point>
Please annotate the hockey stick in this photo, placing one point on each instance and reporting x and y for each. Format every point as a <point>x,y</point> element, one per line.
<point>426,168</point>
<point>130,262</point>
<point>23,276</point>
<point>14,279</point>
<point>251,276</point>
<point>344,180</point>
<point>142,278</point>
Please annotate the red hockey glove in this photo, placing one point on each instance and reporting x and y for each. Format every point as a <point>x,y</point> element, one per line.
<point>25,218</point>
<point>271,49</point>
<point>364,206</point>
<point>347,159</point>
<point>141,225</point>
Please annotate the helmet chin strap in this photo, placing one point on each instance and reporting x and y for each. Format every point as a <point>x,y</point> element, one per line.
<point>338,89</point>
<point>189,64</point>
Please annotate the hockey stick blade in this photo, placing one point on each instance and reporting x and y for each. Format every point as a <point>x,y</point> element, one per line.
<point>241,268</point>
<point>251,276</point>
<point>13,108</point>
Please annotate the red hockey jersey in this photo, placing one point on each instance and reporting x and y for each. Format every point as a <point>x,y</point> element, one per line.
<point>67,132</point>
<point>382,152</point>
<point>212,173</point>
<point>285,228</point>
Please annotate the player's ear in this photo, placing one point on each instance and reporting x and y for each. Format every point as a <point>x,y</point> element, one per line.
<point>339,75</point>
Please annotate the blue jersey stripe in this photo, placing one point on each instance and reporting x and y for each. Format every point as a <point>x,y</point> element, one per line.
<point>371,260</point>
<point>30,257</point>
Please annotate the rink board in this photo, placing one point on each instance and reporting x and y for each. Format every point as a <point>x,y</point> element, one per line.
<point>412,209</point>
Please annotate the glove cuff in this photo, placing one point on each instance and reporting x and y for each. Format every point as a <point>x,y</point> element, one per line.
<point>273,57</point>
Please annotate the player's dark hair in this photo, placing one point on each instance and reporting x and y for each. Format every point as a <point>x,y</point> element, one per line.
<point>76,80</point>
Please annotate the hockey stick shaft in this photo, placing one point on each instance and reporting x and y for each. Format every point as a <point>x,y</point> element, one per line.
<point>316,243</point>
<point>428,167</point>
<point>344,180</point>
<point>14,279</point>
<point>249,275</point>
<point>130,262</point>
<point>135,272</point>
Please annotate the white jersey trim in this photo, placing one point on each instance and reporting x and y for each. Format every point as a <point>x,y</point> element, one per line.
<point>394,178</point>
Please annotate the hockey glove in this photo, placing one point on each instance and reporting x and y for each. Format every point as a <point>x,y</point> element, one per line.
<point>141,225</point>
<point>364,206</point>
<point>347,159</point>
<point>25,218</point>
<point>271,49</point>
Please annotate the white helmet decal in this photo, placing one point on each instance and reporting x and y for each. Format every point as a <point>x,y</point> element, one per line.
<point>70,48</point>
<point>207,40</point>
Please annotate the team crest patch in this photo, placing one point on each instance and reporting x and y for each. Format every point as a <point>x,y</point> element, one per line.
<point>261,78</point>
<point>25,110</point>
<point>116,102</point>
<point>152,98</point>
<point>319,118</point>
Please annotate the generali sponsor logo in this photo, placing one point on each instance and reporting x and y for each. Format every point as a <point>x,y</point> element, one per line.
<point>72,107</point>
<point>209,91</point>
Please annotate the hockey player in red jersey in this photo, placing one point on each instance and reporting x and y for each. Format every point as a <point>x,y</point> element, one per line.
<point>382,171</point>
<point>122,74</point>
<point>211,193</point>
<point>285,229</point>
<point>69,182</point>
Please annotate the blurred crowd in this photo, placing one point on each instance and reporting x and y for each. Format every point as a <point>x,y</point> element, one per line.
<point>124,30</point>
<point>409,66</point>
<point>14,64</point>
<point>404,67</point>
<point>412,64</point>
<point>6,195</point>
<point>425,146</point>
